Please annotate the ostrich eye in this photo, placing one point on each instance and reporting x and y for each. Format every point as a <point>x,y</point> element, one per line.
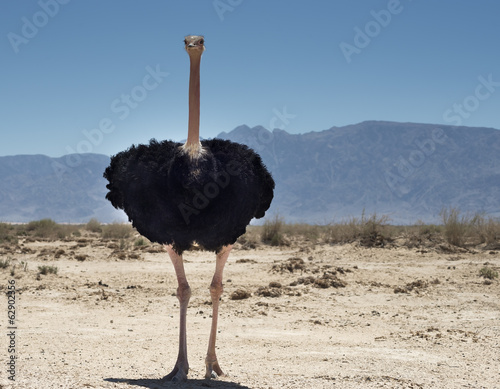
<point>202,41</point>
<point>185,41</point>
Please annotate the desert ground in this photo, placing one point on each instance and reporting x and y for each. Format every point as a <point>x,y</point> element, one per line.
<point>307,314</point>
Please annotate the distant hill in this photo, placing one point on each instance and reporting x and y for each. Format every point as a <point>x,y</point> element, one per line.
<point>405,170</point>
<point>69,189</point>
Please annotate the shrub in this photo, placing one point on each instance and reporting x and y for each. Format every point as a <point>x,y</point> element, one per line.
<point>93,225</point>
<point>343,232</point>
<point>428,231</point>
<point>44,270</point>
<point>41,227</point>
<point>488,273</point>
<point>140,242</point>
<point>116,231</point>
<point>457,228</point>
<point>272,231</point>
<point>7,233</point>
<point>488,230</point>
<point>123,244</point>
<point>4,263</point>
<point>371,231</point>
<point>46,228</point>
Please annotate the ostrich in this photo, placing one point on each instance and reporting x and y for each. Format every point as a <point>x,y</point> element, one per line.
<point>202,193</point>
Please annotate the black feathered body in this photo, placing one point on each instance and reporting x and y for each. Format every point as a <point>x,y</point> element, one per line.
<point>172,198</point>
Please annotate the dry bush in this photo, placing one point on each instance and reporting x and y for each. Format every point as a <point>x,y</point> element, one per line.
<point>412,236</point>
<point>459,228</point>
<point>420,233</point>
<point>47,229</point>
<point>44,270</point>
<point>488,231</point>
<point>374,230</point>
<point>93,225</point>
<point>7,233</point>
<point>41,228</point>
<point>343,232</point>
<point>117,231</point>
<point>429,231</point>
<point>370,231</point>
<point>272,231</point>
<point>488,273</point>
<point>140,242</point>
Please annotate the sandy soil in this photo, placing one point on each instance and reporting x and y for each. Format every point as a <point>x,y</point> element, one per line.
<point>406,318</point>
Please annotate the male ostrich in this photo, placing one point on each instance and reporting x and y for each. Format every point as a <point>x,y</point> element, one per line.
<point>198,192</point>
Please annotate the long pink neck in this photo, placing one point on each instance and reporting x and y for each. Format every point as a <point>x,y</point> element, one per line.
<point>193,139</point>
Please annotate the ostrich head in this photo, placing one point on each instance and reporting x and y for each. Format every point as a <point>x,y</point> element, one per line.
<point>194,44</point>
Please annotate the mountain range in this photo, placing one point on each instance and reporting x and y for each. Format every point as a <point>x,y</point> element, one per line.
<point>408,171</point>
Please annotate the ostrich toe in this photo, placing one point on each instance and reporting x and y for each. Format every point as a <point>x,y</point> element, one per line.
<point>178,374</point>
<point>213,370</point>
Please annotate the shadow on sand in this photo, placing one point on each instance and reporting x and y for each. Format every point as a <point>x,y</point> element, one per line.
<point>160,384</point>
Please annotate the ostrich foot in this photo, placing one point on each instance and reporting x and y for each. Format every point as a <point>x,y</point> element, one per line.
<point>213,369</point>
<point>178,374</point>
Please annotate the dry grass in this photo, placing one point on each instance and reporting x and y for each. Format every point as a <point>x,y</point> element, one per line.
<point>272,231</point>
<point>457,227</point>
<point>370,231</point>
<point>488,273</point>
<point>44,270</point>
<point>94,226</point>
<point>422,234</point>
<point>140,242</point>
<point>7,233</point>
<point>117,231</point>
<point>469,229</point>
<point>375,231</point>
<point>47,229</point>
<point>488,230</point>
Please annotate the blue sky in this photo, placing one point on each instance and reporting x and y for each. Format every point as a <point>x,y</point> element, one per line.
<point>97,76</point>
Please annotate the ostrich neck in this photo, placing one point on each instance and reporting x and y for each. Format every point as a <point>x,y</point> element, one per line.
<point>193,140</point>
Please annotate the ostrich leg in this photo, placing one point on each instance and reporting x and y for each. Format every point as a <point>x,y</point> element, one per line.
<point>213,368</point>
<point>181,368</point>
